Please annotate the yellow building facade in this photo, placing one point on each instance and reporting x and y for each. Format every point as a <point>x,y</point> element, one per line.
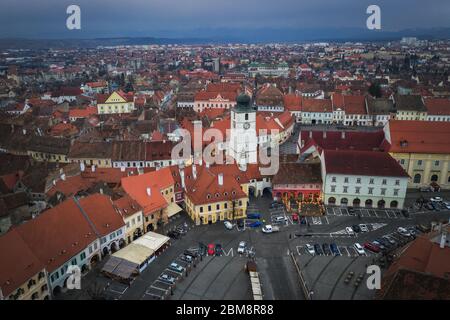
<point>114,104</point>
<point>35,288</point>
<point>424,169</point>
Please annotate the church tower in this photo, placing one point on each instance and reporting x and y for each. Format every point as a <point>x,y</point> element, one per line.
<point>243,144</point>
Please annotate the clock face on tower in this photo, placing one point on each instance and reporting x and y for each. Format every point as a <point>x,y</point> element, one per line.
<point>246,126</point>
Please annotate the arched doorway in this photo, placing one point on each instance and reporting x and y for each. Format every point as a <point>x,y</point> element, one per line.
<point>84,268</point>
<point>113,247</point>
<point>381,204</point>
<point>137,233</point>
<point>356,202</point>
<point>150,227</point>
<point>394,204</point>
<point>344,202</point>
<point>122,243</point>
<point>369,203</point>
<point>105,251</point>
<point>94,259</point>
<point>332,201</point>
<point>417,178</point>
<point>434,178</point>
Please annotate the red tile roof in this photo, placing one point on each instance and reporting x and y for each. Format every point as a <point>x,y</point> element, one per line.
<point>419,136</point>
<point>82,113</point>
<point>58,234</point>
<point>136,187</point>
<point>366,163</point>
<point>206,189</point>
<point>337,140</point>
<point>438,106</point>
<point>99,208</point>
<point>18,262</point>
<point>127,206</point>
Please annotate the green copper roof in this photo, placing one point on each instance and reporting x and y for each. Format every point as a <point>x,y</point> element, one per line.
<point>243,104</point>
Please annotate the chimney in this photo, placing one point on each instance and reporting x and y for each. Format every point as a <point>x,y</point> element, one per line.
<point>310,134</point>
<point>24,131</point>
<point>343,134</point>
<point>443,240</point>
<point>149,192</point>
<point>63,177</point>
<point>207,164</point>
<point>82,166</point>
<point>194,171</point>
<point>101,190</point>
<point>183,185</point>
<point>220,179</point>
<point>122,169</point>
<point>324,134</point>
<point>93,168</point>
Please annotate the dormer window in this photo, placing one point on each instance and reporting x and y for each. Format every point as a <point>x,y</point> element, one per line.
<point>208,196</point>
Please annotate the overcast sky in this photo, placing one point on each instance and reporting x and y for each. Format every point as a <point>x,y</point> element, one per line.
<point>175,18</point>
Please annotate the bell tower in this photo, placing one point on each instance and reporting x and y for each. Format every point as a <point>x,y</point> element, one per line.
<point>243,144</point>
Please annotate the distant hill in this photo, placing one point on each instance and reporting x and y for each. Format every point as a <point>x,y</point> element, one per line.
<point>235,35</point>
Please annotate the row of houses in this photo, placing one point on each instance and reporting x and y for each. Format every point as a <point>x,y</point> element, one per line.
<point>115,154</point>
<point>81,231</point>
<point>365,110</point>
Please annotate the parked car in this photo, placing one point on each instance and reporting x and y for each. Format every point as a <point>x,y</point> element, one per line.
<point>363,228</point>
<point>436,199</point>
<point>403,232</point>
<point>255,224</point>
<point>218,249</point>
<point>326,249</point>
<point>390,240</point>
<point>192,253</point>
<point>447,205</point>
<point>228,225</point>
<point>176,267</point>
<point>351,211</point>
<point>378,244</point>
<point>349,231</point>
<point>303,220</point>
<point>253,216</point>
<point>270,229</point>
<point>359,249</point>
<point>186,258</point>
<point>318,249</point>
<point>310,249</point>
<point>164,277</point>
<point>240,223</point>
<point>242,246</point>
<point>356,228</point>
<point>425,189</point>
<point>334,249</point>
<point>211,249</point>
<point>372,247</point>
<point>279,219</point>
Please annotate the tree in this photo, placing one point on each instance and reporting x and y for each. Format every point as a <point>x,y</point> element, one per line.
<point>375,90</point>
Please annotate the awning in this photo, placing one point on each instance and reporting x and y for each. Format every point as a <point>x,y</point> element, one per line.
<point>152,240</point>
<point>173,209</point>
<point>135,253</point>
<point>117,267</point>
